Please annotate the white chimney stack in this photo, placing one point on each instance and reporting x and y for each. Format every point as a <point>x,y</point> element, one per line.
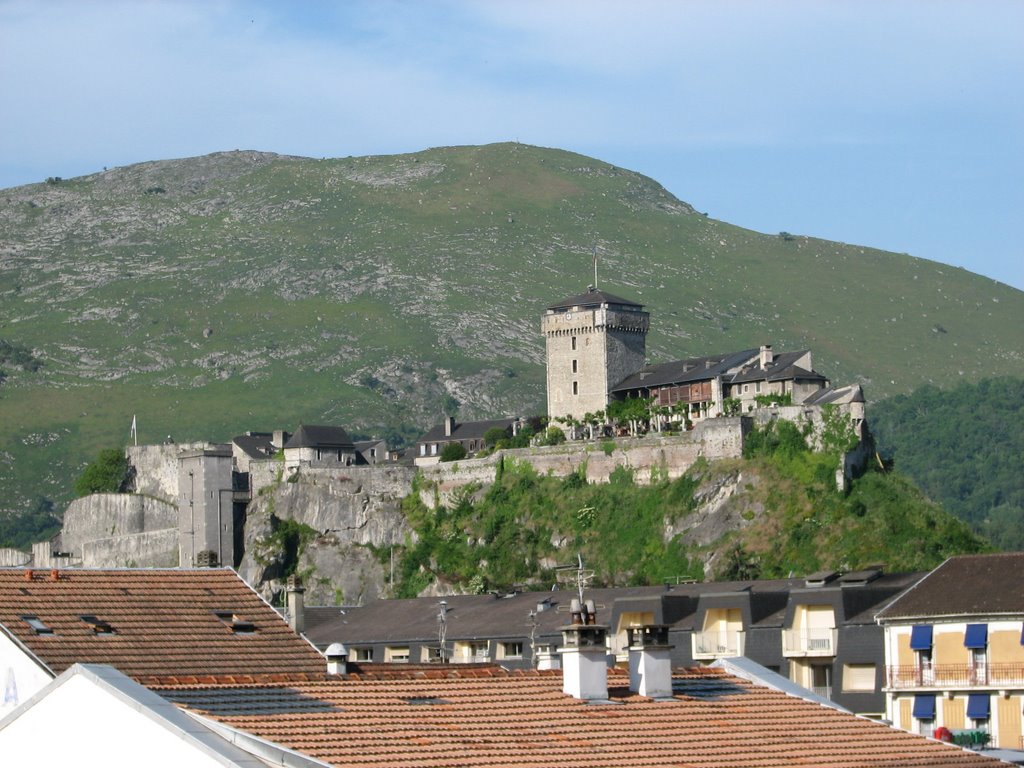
<point>766,355</point>
<point>585,662</point>
<point>650,661</point>
<point>547,657</point>
<point>337,659</point>
<point>449,425</point>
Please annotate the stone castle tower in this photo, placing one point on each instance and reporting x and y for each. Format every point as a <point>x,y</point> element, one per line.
<point>594,341</point>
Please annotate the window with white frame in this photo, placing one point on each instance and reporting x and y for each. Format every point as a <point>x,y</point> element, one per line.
<point>512,649</point>
<point>361,654</point>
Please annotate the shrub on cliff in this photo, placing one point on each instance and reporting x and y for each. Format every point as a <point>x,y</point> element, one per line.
<point>105,474</point>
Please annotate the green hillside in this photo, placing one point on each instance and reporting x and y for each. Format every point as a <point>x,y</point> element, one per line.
<point>245,290</point>
<point>964,446</point>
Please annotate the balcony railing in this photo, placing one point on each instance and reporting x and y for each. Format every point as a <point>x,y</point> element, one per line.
<point>823,690</point>
<point>808,642</point>
<point>955,675</point>
<point>717,645</point>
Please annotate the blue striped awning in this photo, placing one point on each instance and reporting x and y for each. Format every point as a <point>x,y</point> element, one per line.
<point>924,706</point>
<point>921,637</point>
<point>977,706</point>
<point>976,636</point>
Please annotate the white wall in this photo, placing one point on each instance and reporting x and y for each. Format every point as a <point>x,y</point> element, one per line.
<point>20,675</point>
<point>80,724</point>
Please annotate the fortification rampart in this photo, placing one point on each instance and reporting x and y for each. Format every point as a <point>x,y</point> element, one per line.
<point>155,468</point>
<point>113,516</point>
<point>648,457</point>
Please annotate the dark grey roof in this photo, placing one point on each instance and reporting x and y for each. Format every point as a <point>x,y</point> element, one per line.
<point>465,430</point>
<point>311,436</point>
<point>490,617</point>
<point>256,445</point>
<point>783,366</point>
<point>685,371</point>
<point>968,585</point>
<point>593,298</point>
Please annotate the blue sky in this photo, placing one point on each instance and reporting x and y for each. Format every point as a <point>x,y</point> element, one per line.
<point>898,125</point>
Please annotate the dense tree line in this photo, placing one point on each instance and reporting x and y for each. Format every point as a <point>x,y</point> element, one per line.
<point>964,447</point>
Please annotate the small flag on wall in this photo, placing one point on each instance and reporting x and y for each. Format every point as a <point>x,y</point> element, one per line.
<point>135,430</point>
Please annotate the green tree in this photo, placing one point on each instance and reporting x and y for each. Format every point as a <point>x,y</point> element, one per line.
<point>106,474</point>
<point>553,436</point>
<point>493,435</point>
<point>453,452</point>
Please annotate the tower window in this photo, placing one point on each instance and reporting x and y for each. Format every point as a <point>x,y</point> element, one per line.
<point>575,387</point>
<point>574,366</point>
<point>574,342</point>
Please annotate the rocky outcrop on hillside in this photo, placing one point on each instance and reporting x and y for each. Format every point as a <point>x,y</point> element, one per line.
<point>340,523</point>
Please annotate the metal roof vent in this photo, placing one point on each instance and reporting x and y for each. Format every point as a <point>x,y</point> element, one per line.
<point>337,659</point>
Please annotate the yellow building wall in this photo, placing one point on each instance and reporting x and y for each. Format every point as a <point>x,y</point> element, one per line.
<point>949,648</point>
<point>904,656</point>
<point>1008,722</point>
<point>1005,647</point>
<point>954,713</point>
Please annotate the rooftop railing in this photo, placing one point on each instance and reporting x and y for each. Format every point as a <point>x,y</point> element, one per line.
<point>714,644</point>
<point>809,642</point>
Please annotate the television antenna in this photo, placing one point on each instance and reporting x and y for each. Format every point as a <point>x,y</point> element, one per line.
<point>442,629</point>
<point>583,611</point>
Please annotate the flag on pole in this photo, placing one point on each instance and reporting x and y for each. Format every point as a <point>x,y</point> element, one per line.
<point>135,430</point>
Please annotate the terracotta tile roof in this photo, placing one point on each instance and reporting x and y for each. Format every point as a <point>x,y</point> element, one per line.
<point>152,622</point>
<point>507,718</point>
<point>968,585</point>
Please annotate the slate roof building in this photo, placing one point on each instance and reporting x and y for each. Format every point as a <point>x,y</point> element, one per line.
<point>144,622</point>
<point>819,631</point>
<point>469,433</point>
<point>702,384</point>
<point>954,647</point>
<point>319,446</point>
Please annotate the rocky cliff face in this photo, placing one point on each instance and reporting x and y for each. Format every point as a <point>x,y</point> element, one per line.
<point>343,520</point>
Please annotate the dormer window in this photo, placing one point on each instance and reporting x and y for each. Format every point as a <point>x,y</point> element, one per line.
<point>37,625</point>
<point>99,626</point>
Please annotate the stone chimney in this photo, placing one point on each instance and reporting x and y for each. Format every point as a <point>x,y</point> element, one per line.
<point>449,425</point>
<point>337,659</point>
<point>296,605</point>
<point>650,661</point>
<point>766,355</point>
<point>279,439</point>
<point>584,656</point>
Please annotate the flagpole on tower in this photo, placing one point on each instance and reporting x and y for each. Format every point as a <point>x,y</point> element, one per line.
<point>595,265</point>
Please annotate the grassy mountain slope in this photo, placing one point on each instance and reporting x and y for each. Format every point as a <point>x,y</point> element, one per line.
<point>246,290</point>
